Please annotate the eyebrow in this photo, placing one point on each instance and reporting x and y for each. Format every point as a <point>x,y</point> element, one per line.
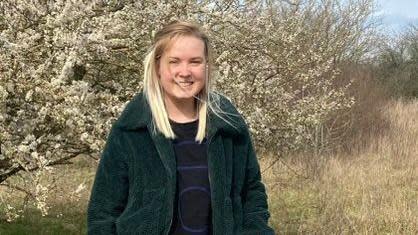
<point>193,58</point>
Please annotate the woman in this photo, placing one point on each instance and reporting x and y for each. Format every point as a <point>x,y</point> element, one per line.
<point>179,160</point>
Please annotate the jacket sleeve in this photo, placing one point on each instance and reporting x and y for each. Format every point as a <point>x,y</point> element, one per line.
<point>255,207</point>
<point>110,188</point>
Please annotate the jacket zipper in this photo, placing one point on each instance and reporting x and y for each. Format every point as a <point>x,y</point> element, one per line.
<point>175,174</point>
<point>210,183</point>
<point>169,227</point>
<point>172,206</point>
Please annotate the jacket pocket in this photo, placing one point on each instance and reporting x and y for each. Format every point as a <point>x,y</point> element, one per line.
<point>144,220</point>
<point>238,215</point>
<point>228,216</point>
<point>233,215</point>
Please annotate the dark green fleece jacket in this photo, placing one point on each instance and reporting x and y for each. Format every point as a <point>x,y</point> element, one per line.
<point>135,183</point>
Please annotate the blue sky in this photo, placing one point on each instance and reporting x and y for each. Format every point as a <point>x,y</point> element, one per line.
<point>397,14</point>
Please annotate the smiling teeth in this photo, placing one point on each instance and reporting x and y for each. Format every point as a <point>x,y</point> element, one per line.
<point>185,84</point>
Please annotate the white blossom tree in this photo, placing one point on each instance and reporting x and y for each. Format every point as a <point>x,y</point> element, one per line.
<point>68,67</point>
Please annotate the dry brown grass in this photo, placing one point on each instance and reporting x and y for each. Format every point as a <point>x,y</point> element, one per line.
<point>374,191</point>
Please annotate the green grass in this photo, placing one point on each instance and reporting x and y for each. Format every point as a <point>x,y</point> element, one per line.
<point>72,221</point>
<point>67,213</point>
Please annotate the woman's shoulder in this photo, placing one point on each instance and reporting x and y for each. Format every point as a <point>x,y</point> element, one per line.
<point>223,101</point>
<point>225,114</point>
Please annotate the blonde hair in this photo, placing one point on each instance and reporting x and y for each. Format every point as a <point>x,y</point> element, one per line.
<point>152,88</point>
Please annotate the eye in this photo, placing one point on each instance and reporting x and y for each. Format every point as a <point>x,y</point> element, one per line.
<point>196,62</point>
<point>173,62</point>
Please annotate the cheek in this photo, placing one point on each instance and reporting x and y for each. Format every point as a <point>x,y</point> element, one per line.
<point>164,73</point>
<point>200,74</point>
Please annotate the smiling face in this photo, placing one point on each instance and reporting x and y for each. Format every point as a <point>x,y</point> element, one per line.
<point>182,69</point>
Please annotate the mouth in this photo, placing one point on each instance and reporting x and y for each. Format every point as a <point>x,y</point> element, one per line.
<point>184,83</point>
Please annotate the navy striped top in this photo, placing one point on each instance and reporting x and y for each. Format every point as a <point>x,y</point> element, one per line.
<point>192,207</point>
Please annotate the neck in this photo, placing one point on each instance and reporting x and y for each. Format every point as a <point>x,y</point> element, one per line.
<point>181,110</point>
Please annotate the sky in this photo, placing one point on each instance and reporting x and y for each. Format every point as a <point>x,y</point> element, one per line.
<point>396,15</point>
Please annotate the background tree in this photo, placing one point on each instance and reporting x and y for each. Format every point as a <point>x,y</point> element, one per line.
<point>69,67</point>
<point>397,64</point>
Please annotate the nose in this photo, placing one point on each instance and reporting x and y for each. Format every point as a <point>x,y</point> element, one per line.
<point>184,71</point>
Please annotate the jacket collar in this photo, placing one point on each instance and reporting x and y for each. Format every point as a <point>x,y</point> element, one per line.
<point>137,115</point>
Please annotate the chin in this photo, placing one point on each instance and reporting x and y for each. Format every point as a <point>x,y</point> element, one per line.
<point>188,94</point>
<point>184,96</point>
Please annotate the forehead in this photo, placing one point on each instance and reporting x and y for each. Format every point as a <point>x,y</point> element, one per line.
<point>185,46</point>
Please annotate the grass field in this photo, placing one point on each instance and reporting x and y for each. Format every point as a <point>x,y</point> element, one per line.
<point>67,213</point>
<point>373,190</point>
